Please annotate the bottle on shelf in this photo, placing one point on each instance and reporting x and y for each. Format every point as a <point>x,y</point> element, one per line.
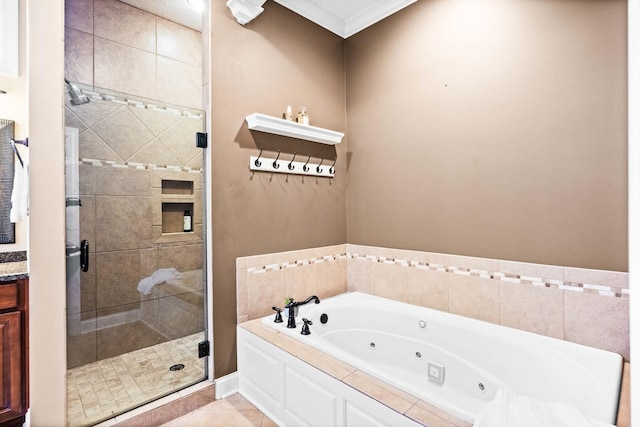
<point>288,115</point>
<point>187,221</point>
<point>303,116</point>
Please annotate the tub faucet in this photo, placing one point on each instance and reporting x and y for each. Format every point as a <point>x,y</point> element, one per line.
<point>278,318</point>
<point>305,328</point>
<point>291,320</point>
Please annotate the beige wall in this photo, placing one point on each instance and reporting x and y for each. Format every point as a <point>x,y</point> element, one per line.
<point>34,102</point>
<point>47,367</point>
<point>493,129</point>
<point>13,106</point>
<point>233,42</point>
<point>277,60</point>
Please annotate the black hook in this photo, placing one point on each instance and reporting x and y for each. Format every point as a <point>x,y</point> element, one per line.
<point>318,169</point>
<point>258,163</point>
<point>332,169</point>
<point>291,162</point>
<point>305,167</point>
<point>275,162</point>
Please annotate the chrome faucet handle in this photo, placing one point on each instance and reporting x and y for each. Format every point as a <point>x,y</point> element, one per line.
<point>305,328</point>
<point>278,318</point>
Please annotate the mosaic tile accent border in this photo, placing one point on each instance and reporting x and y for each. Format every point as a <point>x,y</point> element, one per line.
<point>585,306</point>
<point>297,263</point>
<point>568,285</point>
<point>611,291</point>
<point>149,105</point>
<point>135,165</point>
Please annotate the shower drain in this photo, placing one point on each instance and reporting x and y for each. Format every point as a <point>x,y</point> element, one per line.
<point>176,367</point>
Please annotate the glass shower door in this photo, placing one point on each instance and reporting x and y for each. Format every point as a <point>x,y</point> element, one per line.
<point>135,253</point>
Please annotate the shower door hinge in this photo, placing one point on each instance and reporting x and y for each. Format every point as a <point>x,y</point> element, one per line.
<point>204,349</point>
<point>201,139</point>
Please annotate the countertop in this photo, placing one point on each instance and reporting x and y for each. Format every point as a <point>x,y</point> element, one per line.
<point>10,271</point>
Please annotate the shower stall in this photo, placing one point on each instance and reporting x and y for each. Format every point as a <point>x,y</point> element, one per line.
<point>135,249</point>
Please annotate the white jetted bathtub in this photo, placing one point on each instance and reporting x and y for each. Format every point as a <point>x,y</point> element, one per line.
<point>456,363</point>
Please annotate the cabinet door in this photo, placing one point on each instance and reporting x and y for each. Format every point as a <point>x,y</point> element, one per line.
<point>11,404</point>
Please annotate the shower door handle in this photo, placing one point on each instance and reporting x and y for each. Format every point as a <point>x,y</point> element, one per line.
<point>84,255</point>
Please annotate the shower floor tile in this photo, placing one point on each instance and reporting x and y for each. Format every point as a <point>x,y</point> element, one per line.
<point>125,338</point>
<point>103,389</point>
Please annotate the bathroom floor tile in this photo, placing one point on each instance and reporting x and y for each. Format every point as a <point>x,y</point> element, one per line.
<point>234,411</point>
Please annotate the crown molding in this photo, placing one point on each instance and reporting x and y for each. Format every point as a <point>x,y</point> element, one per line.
<point>372,15</point>
<point>377,11</point>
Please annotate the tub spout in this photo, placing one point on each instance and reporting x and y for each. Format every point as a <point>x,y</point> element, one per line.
<point>291,319</point>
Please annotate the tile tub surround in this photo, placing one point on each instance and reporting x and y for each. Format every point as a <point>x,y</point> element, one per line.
<point>584,306</point>
<point>264,281</point>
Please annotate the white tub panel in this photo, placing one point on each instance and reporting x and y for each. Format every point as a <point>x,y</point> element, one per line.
<point>263,374</point>
<point>358,417</point>
<point>313,398</point>
<point>305,400</point>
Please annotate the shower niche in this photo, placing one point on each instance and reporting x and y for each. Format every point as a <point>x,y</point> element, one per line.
<point>178,198</point>
<point>177,201</point>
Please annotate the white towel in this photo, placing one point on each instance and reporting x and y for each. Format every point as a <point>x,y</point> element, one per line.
<point>508,409</point>
<point>20,192</point>
<point>161,275</point>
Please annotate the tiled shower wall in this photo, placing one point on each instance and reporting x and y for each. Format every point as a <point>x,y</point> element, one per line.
<point>111,45</point>
<point>138,130</point>
<point>585,306</point>
<point>121,216</point>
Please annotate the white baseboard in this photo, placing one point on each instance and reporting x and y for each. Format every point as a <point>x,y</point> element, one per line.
<point>227,385</point>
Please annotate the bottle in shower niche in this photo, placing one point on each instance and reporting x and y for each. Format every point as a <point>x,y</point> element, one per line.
<point>303,116</point>
<point>187,221</point>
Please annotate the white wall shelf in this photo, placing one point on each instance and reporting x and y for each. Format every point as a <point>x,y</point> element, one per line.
<point>276,126</point>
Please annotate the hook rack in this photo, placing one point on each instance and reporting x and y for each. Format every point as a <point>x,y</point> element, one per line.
<point>277,165</point>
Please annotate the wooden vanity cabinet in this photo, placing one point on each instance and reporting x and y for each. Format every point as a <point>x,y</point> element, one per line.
<point>14,400</point>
